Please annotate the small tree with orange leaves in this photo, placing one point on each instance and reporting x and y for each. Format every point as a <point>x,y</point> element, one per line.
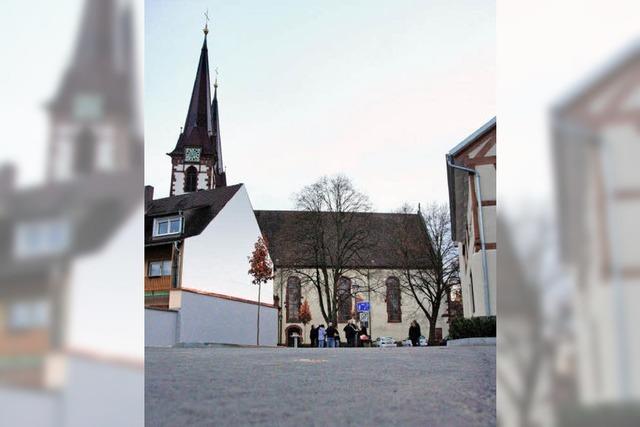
<point>261,269</point>
<point>304,314</point>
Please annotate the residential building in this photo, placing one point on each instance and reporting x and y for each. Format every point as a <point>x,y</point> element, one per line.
<point>471,174</point>
<point>595,145</point>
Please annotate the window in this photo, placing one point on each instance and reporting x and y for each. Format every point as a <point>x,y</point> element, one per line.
<point>191,179</point>
<point>167,226</point>
<point>293,299</point>
<point>25,315</point>
<point>394,312</point>
<point>159,268</point>
<point>345,303</point>
<point>41,238</point>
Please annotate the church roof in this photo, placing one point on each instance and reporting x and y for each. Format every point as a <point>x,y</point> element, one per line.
<point>287,232</point>
<point>198,210</point>
<point>198,126</point>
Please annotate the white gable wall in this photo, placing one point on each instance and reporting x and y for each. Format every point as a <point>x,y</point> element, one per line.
<point>218,259</point>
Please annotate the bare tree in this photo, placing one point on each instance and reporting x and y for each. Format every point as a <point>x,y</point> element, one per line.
<point>334,238</point>
<point>428,275</point>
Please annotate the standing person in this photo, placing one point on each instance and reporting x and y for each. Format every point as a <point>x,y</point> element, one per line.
<point>350,333</point>
<point>331,336</point>
<point>414,333</point>
<point>321,336</point>
<point>364,336</point>
<point>337,337</point>
<point>313,336</point>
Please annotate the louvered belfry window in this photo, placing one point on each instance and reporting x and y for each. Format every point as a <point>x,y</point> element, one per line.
<point>191,179</point>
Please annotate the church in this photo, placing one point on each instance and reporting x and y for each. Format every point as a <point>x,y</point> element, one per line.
<point>198,240</point>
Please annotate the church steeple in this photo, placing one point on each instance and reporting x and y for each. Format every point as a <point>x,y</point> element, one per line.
<point>221,178</point>
<point>93,113</point>
<point>199,114</point>
<point>197,156</point>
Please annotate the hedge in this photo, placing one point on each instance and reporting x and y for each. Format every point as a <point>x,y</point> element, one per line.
<point>472,327</point>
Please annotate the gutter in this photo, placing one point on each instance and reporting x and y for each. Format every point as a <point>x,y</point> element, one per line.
<point>485,267</point>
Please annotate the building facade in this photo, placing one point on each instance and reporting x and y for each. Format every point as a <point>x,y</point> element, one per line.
<point>471,173</point>
<point>595,145</point>
<point>375,277</point>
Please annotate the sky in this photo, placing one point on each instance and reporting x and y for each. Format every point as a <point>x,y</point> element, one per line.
<point>376,90</point>
<point>544,55</point>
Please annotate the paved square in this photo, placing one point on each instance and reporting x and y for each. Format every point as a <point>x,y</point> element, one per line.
<point>298,387</point>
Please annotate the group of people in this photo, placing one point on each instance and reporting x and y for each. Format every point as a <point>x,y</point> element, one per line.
<point>330,337</point>
<point>356,335</point>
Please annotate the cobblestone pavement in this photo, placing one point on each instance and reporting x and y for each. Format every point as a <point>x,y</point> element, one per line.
<point>227,386</point>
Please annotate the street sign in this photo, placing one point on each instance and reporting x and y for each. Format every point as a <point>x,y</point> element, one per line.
<point>362,306</point>
<point>364,316</point>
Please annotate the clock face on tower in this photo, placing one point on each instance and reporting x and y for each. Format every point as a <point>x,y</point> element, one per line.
<point>191,154</point>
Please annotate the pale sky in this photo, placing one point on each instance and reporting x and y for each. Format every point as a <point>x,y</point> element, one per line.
<point>545,51</point>
<point>377,90</point>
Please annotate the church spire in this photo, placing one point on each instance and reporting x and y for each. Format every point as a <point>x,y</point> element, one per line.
<point>221,178</point>
<point>199,114</point>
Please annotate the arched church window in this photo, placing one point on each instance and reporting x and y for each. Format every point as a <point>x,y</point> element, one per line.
<point>293,299</point>
<point>191,179</point>
<point>345,303</point>
<point>394,312</point>
<point>85,149</point>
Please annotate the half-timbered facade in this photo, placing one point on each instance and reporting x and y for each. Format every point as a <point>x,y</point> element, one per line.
<point>471,173</point>
<point>596,142</point>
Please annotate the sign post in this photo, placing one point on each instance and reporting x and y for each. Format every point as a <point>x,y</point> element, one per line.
<point>364,308</point>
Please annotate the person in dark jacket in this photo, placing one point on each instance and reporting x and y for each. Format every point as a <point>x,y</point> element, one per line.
<point>350,333</point>
<point>313,336</point>
<point>414,333</point>
<point>363,335</point>
<point>331,335</point>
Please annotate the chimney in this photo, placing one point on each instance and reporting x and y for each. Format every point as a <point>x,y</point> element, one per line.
<point>148,194</point>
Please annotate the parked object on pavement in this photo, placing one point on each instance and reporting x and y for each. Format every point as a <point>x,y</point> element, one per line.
<point>383,342</point>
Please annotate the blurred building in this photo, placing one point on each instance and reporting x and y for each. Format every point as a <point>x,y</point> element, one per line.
<point>596,141</point>
<point>48,232</point>
<point>471,174</point>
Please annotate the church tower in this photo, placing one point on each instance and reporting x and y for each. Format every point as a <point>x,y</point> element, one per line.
<point>94,123</point>
<point>196,160</point>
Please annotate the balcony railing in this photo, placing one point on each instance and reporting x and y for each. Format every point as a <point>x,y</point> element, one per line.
<point>161,283</point>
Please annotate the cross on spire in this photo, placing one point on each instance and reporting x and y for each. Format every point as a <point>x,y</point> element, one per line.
<point>215,83</point>
<point>206,24</point>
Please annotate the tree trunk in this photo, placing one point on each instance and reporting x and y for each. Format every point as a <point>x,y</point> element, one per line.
<point>258,325</point>
<point>432,332</point>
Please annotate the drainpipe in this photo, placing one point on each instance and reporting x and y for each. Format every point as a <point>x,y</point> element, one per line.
<point>485,267</point>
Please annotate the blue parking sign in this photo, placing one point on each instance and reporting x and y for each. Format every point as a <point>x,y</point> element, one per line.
<point>362,306</point>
